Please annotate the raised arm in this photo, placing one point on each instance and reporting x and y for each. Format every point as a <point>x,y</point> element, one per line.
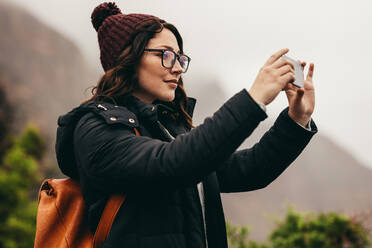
<point>113,157</point>
<point>256,167</point>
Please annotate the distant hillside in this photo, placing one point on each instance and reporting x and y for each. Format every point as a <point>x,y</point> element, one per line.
<point>43,73</point>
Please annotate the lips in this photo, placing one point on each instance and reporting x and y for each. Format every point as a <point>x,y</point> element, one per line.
<point>173,83</point>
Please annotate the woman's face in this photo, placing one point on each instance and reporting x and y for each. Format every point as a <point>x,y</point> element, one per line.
<point>152,76</point>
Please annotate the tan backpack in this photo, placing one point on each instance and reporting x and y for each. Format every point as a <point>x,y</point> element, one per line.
<point>62,218</point>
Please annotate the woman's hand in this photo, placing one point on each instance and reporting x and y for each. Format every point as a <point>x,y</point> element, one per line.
<point>301,100</point>
<point>272,78</point>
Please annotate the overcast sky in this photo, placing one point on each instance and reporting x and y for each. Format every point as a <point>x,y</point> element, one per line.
<point>231,40</point>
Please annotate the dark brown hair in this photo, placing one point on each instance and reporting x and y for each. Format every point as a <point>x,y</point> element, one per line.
<point>122,80</point>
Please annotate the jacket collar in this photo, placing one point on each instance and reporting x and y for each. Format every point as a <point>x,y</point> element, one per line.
<point>151,111</point>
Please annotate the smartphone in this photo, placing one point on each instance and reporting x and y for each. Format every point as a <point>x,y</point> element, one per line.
<point>299,74</point>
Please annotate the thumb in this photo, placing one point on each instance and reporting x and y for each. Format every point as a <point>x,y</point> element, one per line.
<point>300,93</point>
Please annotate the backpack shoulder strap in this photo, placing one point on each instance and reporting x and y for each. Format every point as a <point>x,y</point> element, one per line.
<point>111,209</point>
<point>104,226</point>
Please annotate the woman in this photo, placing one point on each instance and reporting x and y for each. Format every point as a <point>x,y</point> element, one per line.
<point>173,174</point>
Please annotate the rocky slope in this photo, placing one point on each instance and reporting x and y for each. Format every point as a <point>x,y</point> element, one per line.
<point>42,72</point>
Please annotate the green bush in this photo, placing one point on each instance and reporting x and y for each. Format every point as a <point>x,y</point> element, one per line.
<point>325,230</point>
<point>18,176</point>
<point>32,143</point>
<point>328,230</point>
<point>237,237</point>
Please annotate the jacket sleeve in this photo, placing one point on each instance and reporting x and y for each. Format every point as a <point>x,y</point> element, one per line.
<point>257,167</point>
<point>113,158</point>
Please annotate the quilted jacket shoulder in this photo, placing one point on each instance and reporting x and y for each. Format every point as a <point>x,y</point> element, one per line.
<point>112,114</point>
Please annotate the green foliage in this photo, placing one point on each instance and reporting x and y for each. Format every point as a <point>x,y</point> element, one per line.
<point>32,143</point>
<point>323,230</point>
<point>237,237</point>
<point>18,175</point>
<point>311,230</point>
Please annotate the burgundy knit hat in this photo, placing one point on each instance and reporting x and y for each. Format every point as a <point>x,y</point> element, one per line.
<point>115,30</point>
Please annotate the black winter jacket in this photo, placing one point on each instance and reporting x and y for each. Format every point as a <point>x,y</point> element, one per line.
<point>96,144</point>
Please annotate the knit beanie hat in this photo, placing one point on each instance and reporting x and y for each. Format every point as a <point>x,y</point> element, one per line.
<point>115,30</point>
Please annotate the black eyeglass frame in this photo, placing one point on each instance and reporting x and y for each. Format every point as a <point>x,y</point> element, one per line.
<point>177,57</point>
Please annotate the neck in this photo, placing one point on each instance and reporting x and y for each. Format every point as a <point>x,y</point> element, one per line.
<point>143,98</point>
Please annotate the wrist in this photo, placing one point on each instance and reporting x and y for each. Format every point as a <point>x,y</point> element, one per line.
<point>302,120</point>
<point>256,97</point>
<point>262,106</point>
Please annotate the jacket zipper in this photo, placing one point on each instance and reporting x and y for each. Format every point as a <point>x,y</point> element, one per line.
<point>199,187</point>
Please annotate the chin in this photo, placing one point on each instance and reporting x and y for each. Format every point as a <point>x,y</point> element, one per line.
<point>167,98</point>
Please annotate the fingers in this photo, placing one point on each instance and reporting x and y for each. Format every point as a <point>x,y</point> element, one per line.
<point>290,86</point>
<point>285,69</point>
<point>298,97</point>
<point>276,56</point>
<point>294,94</point>
<point>310,72</point>
<point>303,64</point>
<point>280,62</point>
<point>289,77</point>
<point>300,93</point>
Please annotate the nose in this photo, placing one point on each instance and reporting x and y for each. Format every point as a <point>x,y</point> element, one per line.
<point>177,68</point>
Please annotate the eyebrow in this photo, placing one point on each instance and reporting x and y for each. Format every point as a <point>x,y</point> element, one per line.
<point>169,47</point>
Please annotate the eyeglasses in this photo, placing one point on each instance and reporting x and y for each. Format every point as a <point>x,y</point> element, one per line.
<point>168,58</point>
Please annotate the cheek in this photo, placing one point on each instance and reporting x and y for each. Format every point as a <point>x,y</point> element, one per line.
<point>151,69</point>
<point>150,78</point>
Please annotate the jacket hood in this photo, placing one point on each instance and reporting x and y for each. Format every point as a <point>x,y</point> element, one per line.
<point>66,125</point>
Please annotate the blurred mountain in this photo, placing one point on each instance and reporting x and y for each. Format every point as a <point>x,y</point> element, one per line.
<point>42,73</point>
<point>325,177</point>
<point>6,121</point>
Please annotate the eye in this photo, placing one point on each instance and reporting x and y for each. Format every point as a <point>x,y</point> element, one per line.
<point>168,54</point>
<point>182,60</point>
